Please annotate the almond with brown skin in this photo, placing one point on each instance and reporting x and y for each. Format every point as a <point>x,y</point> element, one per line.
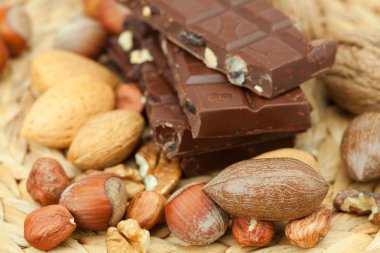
<point>268,189</point>
<point>360,147</point>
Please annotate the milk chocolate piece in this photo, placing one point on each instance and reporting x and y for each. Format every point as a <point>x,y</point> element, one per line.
<point>170,126</point>
<point>253,43</point>
<point>201,164</point>
<point>215,108</point>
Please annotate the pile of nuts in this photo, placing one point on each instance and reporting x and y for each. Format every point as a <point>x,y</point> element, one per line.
<point>83,108</point>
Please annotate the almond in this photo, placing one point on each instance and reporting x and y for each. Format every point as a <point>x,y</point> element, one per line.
<point>50,68</point>
<point>106,139</point>
<point>292,153</point>
<point>62,110</point>
<point>268,189</point>
<point>360,148</point>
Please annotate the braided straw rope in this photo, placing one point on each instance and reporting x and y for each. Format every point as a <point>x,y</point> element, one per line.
<point>348,233</point>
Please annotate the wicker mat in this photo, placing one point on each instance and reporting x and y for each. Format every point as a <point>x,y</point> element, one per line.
<point>348,233</point>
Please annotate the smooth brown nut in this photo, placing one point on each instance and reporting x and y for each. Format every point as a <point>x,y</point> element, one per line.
<point>292,153</point>
<point>15,28</point>
<point>193,217</point>
<point>97,202</point>
<point>359,147</point>
<point>308,231</point>
<point>58,114</point>
<point>268,189</point>
<point>83,36</point>
<point>129,96</point>
<point>251,232</point>
<point>4,54</point>
<point>46,181</point>
<point>147,208</point>
<point>54,67</point>
<point>106,139</point>
<point>48,226</point>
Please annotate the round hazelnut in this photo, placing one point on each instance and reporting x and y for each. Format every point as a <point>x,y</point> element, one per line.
<point>46,181</point>
<point>147,208</point>
<point>15,28</point>
<point>129,96</point>
<point>48,226</point>
<point>3,56</point>
<point>193,217</point>
<point>96,202</point>
<point>83,36</point>
<point>251,232</point>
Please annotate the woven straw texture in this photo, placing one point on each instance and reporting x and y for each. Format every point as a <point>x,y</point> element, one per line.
<point>317,18</point>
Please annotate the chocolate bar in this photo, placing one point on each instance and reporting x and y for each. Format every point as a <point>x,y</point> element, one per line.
<point>253,43</point>
<point>170,126</point>
<point>200,164</point>
<point>215,108</point>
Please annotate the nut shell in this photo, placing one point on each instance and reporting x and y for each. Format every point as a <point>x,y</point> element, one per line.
<point>360,147</point>
<point>47,180</point>
<point>106,140</point>
<point>147,208</point>
<point>48,226</point>
<point>268,189</point>
<point>60,112</point>
<point>97,202</point>
<point>53,67</point>
<point>193,217</point>
<point>83,36</point>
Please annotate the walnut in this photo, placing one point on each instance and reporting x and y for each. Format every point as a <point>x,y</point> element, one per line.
<point>127,237</point>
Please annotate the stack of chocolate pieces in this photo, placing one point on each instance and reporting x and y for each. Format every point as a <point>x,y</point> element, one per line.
<point>221,76</point>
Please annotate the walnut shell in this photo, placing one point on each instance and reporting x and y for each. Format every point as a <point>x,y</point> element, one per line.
<point>268,189</point>
<point>353,82</point>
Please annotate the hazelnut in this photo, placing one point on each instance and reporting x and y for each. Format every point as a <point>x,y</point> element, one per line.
<point>359,148</point>
<point>83,36</point>
<point>251,232</point>
<point>308,231</point>
<point>113,15</point>
<point>4,54</point>
<point>236,70</point>
<point>129,96</point>
<point>210,58</point>
<point>15,28</point>
<point>97,202</point>
<point>148,208</point>
<point>193,217</point>
<point>48,226</point>
<point>46,181</point>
